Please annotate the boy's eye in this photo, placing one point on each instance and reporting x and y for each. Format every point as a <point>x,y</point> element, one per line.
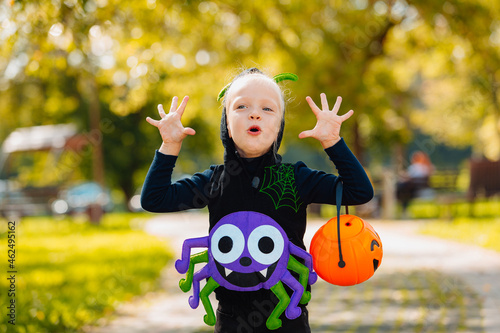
<point>267,109</point>
<point>241,107</point>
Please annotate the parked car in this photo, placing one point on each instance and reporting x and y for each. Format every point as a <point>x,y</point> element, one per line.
<point>82,197</point>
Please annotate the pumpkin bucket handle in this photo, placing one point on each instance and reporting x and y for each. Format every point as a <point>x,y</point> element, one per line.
<point>338,196</point>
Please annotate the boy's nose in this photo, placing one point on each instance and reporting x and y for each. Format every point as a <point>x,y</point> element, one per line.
<point>254,115</point>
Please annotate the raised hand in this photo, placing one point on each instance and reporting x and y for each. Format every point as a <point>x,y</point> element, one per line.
<point>327,129</point>
<point>170,127</point>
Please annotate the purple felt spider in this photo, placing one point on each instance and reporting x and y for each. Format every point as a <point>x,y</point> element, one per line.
<point>247,251</point>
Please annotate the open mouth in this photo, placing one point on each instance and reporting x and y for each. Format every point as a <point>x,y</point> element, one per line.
<point>246,279</point>
<point>254,130</point>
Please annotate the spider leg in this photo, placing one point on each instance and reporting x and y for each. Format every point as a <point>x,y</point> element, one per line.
<point>273,322</point>
<point>293,311</point>
<point>185,284</point>
<point>182,264</point>
<point>295,250</point>
<point>211,285</point>
<point>303,271</point>
<point>203,273</point>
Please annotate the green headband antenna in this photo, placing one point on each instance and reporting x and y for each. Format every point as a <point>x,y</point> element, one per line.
<point>277,78</point>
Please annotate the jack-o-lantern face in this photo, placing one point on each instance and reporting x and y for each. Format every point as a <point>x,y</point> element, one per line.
<point>360,246</point>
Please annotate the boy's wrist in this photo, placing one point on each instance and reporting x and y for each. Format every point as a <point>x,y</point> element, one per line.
<point>329,143</point>
<point>170,149</point>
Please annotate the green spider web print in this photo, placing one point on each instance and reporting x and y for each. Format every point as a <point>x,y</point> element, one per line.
<point>279,184</point>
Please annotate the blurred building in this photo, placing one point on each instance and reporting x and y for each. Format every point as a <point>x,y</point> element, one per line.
<point>16,200</point>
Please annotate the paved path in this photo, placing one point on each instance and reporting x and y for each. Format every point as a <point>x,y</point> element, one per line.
<point>424,284</point>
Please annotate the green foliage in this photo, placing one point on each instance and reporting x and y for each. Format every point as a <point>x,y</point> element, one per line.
<point>477,231</point>
<point>70,274</point>
<point>400,66</point>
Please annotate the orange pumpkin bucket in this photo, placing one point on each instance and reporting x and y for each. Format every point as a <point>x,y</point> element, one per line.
<point>358,255</point>
<point>361,251</point>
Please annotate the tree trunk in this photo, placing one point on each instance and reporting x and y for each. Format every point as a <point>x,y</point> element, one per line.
<point>95,133</point>
<point>358,144</point>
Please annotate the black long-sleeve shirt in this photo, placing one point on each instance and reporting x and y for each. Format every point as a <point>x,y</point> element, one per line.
<point>159,194</point>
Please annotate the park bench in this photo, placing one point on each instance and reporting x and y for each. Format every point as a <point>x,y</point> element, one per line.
<point>484,183</point>
<point>443,190</point>
<point>443,184</point>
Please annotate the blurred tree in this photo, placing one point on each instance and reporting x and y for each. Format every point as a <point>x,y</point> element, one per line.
<point>91,63</point>
<point>106,64</point>
<point>460,90</point>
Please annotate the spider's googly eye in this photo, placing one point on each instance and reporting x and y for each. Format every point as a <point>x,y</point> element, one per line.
<point>227,243</point>
<point>266,244</point>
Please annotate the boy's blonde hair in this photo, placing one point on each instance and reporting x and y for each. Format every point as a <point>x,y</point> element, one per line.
<point>225,92</point>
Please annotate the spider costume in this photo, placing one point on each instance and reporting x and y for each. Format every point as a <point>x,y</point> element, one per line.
<point>263,186</point>
<point>248,251</point>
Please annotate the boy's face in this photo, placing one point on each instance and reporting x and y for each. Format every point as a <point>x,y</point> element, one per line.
<point>254,111</point>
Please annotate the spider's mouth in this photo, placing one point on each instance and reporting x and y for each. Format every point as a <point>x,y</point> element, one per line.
<point>246,280</point>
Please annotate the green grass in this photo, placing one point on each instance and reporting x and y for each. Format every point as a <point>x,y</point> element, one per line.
<point>477,231</point>
<point>477,224</point>
<point>431,209</point>
<point>70,273</point>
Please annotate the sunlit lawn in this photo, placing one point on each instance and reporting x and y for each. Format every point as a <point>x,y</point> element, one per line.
<point>70,274</point>
<point>420,209</point>
<point>455,222</point>
<point>483,232</point>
